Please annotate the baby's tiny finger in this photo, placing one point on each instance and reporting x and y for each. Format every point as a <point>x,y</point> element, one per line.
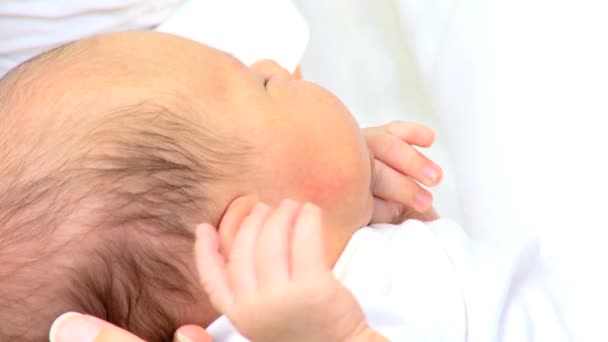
<point>393,186</point>
<point>389,212</point>
<point>412,133</point>
<point>308,249</point>
<point>405,159</point>
<point>242,256</point>
<point>211,268</point>
<point>272,251</point>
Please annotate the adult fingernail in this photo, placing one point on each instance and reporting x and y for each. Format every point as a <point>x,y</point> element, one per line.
<point>179,337</point>
<point>430,174</point>
<point>74,327</point>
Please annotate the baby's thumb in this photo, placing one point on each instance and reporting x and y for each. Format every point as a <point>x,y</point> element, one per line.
<point>191,333</point>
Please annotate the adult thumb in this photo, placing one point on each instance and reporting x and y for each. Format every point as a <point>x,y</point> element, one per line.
<point>191,333</point>
<point>75,327</point>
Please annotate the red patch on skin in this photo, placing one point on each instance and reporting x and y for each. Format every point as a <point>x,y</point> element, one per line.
<point>323,182</point>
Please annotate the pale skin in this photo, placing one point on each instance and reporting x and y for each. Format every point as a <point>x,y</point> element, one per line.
<point>76,327</point>
<point>278,263</point>
<point>353,176</point>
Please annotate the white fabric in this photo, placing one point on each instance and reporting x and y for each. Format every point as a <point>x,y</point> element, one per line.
<point>359,52</point>
<point>29,27</point>
<point>429,282</point>
<point>250,30</point>
<point>519,87</point>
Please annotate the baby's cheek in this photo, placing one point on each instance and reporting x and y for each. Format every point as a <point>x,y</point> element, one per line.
<point>341,190</point>
<point>325,183</point>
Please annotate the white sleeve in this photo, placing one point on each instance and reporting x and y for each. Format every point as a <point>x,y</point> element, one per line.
<point>28,28</point>
<point>249,30</point>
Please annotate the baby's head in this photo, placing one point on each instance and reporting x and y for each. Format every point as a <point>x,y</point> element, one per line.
<point>113,149</point>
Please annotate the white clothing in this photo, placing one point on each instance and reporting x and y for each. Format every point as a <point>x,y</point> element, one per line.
<point>249,30</point>
<point>429,282</point>
<point>29,27</point>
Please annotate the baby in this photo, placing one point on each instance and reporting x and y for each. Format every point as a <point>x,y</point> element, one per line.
<point>114,148</point>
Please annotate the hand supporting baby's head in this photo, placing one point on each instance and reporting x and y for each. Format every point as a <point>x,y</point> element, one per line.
<point>114,148</point>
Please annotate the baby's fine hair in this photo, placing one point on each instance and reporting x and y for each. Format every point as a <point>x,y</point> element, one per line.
<point>105,225</point>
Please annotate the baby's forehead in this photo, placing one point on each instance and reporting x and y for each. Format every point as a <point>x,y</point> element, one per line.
<point>90,80</point>
<point>140,59</point>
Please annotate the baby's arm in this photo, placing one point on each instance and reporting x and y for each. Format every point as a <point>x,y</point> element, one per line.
<point>276,284</point>
<point>398,169</point>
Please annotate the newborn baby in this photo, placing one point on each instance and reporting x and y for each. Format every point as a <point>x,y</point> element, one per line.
<point>114,148</point>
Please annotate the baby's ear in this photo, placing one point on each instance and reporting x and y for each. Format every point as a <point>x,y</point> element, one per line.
<point>230,222</point>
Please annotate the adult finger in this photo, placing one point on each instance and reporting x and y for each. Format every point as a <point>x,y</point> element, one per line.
<point>211,268</point>
<point>404,158</point>
<point>75,327</point>
<point>308,249</point>
<point>272,251</point>
<point>395,187</point>
<point>191,333</point>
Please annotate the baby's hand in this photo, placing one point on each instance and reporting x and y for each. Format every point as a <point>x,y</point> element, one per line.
<point>276,284</point>
<point>398,168</point>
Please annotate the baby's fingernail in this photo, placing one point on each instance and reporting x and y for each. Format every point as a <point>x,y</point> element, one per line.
<point>430,174</point>
<point>309,207</point>
<point>259,208</point>
<point>73,327</point>
<point>423,200</point>
<point>286,203</point>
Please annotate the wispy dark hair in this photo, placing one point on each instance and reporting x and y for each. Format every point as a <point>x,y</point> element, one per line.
<point>107,230</point>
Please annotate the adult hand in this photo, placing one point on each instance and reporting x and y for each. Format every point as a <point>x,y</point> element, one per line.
<point>74,327</point>
<point>398,170</point>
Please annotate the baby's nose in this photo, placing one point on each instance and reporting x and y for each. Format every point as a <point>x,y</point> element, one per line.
<point>271,69</point>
